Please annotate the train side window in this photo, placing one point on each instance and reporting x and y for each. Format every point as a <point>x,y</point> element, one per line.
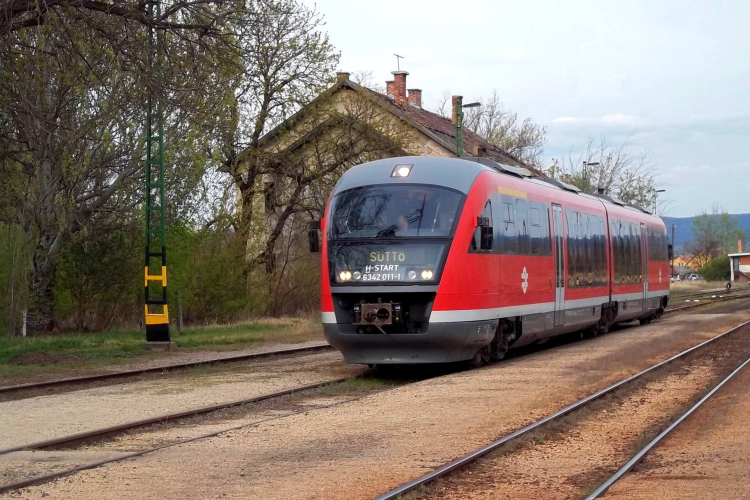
<point>616,251</point>
<point>508,226</point>
<point>522,223</point>
<point>589,253</point>
<point>483,238</point>
<point>535,230</point>
<point>547,229</point>
<point>572,227</point>
<point>603,252</point>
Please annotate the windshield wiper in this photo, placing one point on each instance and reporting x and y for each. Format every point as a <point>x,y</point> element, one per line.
<point>389,231</point>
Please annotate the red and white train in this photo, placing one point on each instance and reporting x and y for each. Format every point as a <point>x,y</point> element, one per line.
<point>429,260</point>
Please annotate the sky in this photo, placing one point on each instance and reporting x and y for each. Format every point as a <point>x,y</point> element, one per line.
<point>670,77</point>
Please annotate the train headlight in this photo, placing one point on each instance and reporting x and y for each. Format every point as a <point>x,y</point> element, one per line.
<point>427,274</point>
<point>357,275</point>
<point>411,275</point>
<point>401,171</point>
<point>345,275</point>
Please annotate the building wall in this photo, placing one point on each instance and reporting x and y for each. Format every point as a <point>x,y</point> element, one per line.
<point>741,275</point>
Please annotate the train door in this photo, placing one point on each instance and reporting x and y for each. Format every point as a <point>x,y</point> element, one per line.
<point>644,266</point>
<point>559,265</point>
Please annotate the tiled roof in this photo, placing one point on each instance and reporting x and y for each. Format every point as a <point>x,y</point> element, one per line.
<point>445,129</point>
<point>441,129</point>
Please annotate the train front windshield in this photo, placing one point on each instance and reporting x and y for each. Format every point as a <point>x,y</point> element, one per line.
<point>391,233</point>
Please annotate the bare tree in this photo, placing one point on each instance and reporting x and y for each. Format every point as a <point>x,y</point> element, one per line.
<point>523,139</point>
<point>621,171</point>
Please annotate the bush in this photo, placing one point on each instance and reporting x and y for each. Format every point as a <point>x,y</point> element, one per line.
<point>717,269</point>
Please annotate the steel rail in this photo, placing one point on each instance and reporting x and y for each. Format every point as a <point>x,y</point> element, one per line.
<point>642,453</point>
<point>119,428</point>
<point>159,369</point>
<point>474,455</point>
<point>4,488</point>
<point>710,301</point>
<point>229,359</point>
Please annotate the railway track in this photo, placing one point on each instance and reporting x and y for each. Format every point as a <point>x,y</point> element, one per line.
<point>114,376</point>
<point>711,300</point>
<point>105,432</point>
<point>602,489</point>
<point>101,433</point>
<point>473,456</point>
<point>89,379</point>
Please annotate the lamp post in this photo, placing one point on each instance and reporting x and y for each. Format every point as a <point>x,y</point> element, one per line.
<point>585,173</point>
<point>656,193</point>
<point>460,124</point>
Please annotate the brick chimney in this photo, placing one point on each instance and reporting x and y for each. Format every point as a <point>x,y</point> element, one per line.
<point>739,246</point>
<point>455,107</point>
<point>342,75</point>
<point>399,86</point>
<point>389,88</point>
<point>415,97</point>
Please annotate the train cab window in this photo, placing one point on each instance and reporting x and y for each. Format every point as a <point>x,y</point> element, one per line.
<point>483,237</point>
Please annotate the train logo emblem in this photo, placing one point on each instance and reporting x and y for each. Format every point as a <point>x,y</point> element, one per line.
<point>524,280</point>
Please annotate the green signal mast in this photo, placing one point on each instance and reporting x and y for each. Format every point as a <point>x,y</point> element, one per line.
<point>156,309</point>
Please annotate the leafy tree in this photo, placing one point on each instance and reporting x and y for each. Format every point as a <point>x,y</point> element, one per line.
<point>621,172</point>
<point>73,82</point>
<point>716,269</point>
<point>715,234</point>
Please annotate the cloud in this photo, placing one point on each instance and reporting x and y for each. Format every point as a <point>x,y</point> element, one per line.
<point>616,119</point>
<point>620,119</point>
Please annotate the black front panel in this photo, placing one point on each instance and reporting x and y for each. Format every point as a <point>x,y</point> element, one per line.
<point>393,262</point>
<point>414,311</point>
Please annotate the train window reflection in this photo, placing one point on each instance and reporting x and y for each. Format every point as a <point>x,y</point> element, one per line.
<point>387,211</point>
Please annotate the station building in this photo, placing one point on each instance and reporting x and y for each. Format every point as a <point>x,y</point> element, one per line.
<point>740,267</point>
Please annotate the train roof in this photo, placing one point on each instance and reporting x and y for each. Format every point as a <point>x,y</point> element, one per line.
<point>458,174</point>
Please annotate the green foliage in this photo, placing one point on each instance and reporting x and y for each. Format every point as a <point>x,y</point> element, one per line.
<point>51,352</point>
<point>717,269</point>
<point>715,233</point>
<point>13,256</point>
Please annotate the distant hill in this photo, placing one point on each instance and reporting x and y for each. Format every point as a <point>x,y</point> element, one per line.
<point>683,232</point>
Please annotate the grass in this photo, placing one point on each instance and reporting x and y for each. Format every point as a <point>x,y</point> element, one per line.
<point>74,351</point>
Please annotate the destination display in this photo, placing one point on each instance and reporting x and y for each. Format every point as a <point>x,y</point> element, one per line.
<point>401,262</point>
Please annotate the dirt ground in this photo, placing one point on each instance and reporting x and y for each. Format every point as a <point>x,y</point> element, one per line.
<point>35,419</point>
<point>568,459</point>
<point>706,457</point>
<point>362,448</point>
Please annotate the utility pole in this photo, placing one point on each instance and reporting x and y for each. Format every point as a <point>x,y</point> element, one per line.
<point>586,174</point>
<point>656,193</point>
<point>459,110</point>
<point>157,323</point>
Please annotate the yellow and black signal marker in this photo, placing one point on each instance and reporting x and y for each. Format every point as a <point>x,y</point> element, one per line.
<point>156,310</point>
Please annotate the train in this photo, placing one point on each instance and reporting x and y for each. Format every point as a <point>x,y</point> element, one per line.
<point>440,260</point>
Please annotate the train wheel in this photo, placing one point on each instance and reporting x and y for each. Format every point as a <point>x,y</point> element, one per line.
<point>482,357</point>
<point>499,347</point>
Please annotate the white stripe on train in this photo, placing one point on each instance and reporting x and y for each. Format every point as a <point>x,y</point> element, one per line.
<point>504,312</point>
